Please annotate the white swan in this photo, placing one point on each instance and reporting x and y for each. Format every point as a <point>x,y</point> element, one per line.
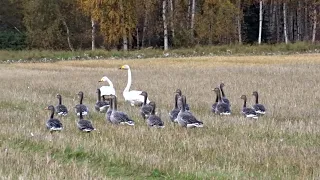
<point>107,90</point>
<point>133,96</point>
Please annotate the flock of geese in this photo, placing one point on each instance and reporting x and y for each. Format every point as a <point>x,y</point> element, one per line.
<point>180,114</point>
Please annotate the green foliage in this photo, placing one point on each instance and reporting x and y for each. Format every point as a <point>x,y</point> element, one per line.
<point>12,40</point>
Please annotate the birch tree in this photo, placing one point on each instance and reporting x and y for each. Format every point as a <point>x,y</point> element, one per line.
<point>260,21</point>
<point>165,27</point>
<point>314,27</point>
<point>193,11</point>
<point>285,22</point>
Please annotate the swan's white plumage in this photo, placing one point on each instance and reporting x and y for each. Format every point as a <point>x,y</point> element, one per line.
<point>132,96</point>
<point>107,90</point>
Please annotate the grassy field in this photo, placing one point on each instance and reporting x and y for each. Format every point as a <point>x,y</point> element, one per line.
<point>284,144</point>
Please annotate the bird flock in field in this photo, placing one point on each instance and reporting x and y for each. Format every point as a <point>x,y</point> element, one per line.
<point>180,114</point>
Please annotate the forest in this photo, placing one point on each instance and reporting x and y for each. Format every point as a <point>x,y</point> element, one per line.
<point>162,24</point>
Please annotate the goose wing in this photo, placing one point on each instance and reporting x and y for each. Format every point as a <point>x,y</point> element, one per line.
<point>81,108</point>
<point>173,114</point>
<point>54,125</point>
<point>154,120</point>
<point>121,117</point>
<point>259,108</point>
<point>248,112</point>
<point>85,125</point>
<point>223,109</point>
<point>61,110</point>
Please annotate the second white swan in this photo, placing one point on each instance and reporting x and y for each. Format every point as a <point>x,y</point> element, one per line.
<point>132,96</point>
<point>107,90</point>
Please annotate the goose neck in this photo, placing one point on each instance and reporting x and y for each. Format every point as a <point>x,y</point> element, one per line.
<point>222,92</point>
<point>176,101</point>
<point>257,98</point>
<point>245,102</point>
<point>81,98</point>
<point>52,113</point>
<point>115,106</point>
<point>60,100</point>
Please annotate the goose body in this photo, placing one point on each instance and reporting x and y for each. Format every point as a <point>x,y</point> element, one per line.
<point>83,124</point>
<point>133,96</point>
<point>119,117</point>
<point>259,108</point>
<point>101,106</point>
<point>175,111</point>
<point>248,112</point>
<point>154,120</point>
<point>222,108</point>
<point>61,109</point>
<point>145,109</point>
<point>186,119</point>
<point>52,123</point>
<point>81,107</point>
<point>107,90</point>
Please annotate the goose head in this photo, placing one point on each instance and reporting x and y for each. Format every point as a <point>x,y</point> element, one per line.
<point>178,91</point>
<point>144,93</point>
<point>216,90</point>
<point>255,93</point>
<point>80,94</point>
<point>244,97</point>
<point>125,67</point>
<point>58,96</point>
<point>221,85</point>
<point>51,108</point>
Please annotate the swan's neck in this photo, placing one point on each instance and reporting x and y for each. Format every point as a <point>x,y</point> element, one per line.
<point>257,99</point>
<point>245,103</point>
<point>52,113</point>
<point>109,82</point>
<point>60,100</point>
<point>129,81</point>
<point>222,92</point>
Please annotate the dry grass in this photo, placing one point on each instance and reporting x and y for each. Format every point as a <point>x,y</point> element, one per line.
<point>282,145</point>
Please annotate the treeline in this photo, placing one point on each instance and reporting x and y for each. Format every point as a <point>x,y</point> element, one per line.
<point>135,24</point>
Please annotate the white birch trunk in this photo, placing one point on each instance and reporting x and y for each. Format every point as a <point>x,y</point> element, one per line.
<point>144,30</point>
<point>260,23</point>
<point>314,29</point>
<point>189,13</point>
<point>68,34</point>
<point>193,10</point>
<point>285,23</point>
<point>172,18</point>
<point>93,34</point>
<point>239,22</point>
<point>165,28</point>
<point>124,31</point>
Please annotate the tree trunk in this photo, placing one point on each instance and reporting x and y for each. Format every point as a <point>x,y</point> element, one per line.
<point>285,23</point>
<point>193,10</point>
<point>260,23</point>
<point>306,28</point>
<point>68,34</point>
<point>278,22</point>
<point>165,28</point>
<point>314,28</point>
<point>138,39</point>
<point>189,13</point>
<point>145,23</point>
<point>172,18</point>
<point>299,21</point>
<point>93,34</point>
<point>238,22</point>
<point>124,31</point>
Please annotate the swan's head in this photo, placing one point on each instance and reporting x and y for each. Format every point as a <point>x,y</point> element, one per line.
<point>244,97</point>
<point>51,107</point>
<point>125,67</point>
<point>103,79</point>
<point>255,93</point>
<point>144,93</point>
<point>178,91</point>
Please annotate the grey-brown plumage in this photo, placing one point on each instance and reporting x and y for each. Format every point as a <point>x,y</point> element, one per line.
<point>259,108</point>
<point>52,123</point>
<point>175,111</point>
<point>81,107</point>
<point>109,111</point>
<point>178,91</point>
<point>214,105</point>
<point>154,120</point>
<point>61,109</point>
<point>119,117</point>
<point>83,124</point>
<point>222,108</point>
<point>186,119</point>
<point>101,105</point>
<point>248,112</point>
<point>145,109</point>
<point>223,97</point>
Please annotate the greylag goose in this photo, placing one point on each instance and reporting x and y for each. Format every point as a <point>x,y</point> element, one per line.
<point>145,109</point>
<point>84,125</point>
<point>53,124</point>
<point>259,108</point>
<point>154,120</point>
<point>119,117</point>
<point>61,109</point>
<point>248,112</point>
<point>101,106</point>
<point>175,111</point>
<point>109,111</point>
<point>81,107</point>
<point>222,108</point>
<point>186,119</point>
<point>214,105</point>
<point>132,96</point>
<point>224,98</point>
<point>178,91</point>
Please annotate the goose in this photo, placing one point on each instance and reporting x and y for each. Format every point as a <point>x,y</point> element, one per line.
<point>81,107</point>
<point>84,125</point>
<point>214,105</point>
<point>145,109</point>
<point>107,90</point>
<point>248,112</point>
<point>101,106</point>
<point>154,120</point>
<point>178,91</point>
<point>259,108</point>
<point>119,117</point>
<point>186,119</point>
<point>109,111</point>
<point>61,109</point>
<point>175,111</point>
<point>222,108</point>
<point>132,96</point>
<point>53,124</point>
<point>224,98</point>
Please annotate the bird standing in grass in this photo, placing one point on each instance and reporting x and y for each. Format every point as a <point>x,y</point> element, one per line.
<point>154,120</point>
<point>61,109</point>
<point>259,108</point>
<point>52,123</point>
<point>248,112</point>
<point>145,109</point>
<point>81,107</point>
<point>186,119</point>
<point>83,124</point>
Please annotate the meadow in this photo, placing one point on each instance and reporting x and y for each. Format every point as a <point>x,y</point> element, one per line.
<point>284,144</point>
